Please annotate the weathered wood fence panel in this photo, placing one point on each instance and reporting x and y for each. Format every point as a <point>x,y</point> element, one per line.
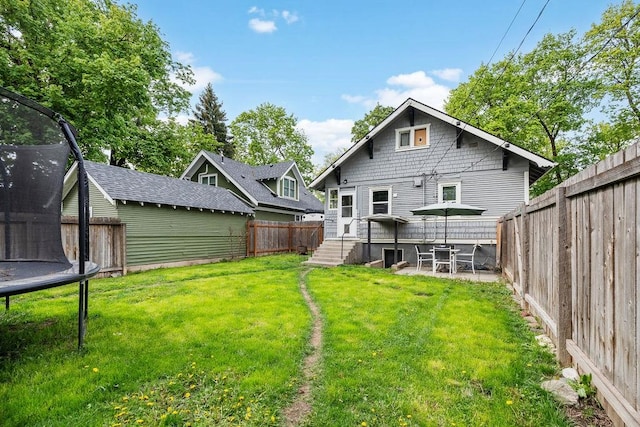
<point>107,243</point>
<point>270,237</point>
<point>573,256</point>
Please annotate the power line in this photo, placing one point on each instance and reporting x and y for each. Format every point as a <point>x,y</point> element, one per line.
<point>573,77</point>
<point>508,62</point>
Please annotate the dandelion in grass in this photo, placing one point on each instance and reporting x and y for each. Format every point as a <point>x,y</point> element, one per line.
<point>95,370</point>
<point>509,402</point>
<point>364,424</point>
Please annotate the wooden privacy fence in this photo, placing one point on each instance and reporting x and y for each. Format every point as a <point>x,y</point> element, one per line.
<point>270,237</point>
<point>107,243</point>
<point>572,254</point>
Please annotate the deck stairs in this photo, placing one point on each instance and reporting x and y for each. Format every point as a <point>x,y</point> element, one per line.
<point>332,253</point>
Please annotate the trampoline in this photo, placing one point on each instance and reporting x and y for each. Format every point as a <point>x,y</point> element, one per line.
<point>36,145</point>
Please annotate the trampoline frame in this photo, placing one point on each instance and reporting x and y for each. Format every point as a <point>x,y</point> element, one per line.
<point>81,270</point>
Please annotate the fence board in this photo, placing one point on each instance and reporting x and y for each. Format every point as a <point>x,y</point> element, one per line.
<point>107,240</point>
<point>270,237</point>
<point>582,271</point>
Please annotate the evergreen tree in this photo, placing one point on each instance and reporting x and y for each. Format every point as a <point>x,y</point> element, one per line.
<point>212,118</point>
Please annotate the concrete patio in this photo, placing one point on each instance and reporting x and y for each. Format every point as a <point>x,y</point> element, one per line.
<point>480,276</point>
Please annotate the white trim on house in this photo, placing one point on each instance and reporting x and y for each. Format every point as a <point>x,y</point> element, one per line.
<point>281,189</point>
<point>456,184</point>
<point>372,190</point>
<point>411,134</point>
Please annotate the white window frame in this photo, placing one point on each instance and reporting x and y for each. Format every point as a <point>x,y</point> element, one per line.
<point>412,136</point>
<point>294,185</point>
<point>335,208</point>
<point>202,176</point>
<point>375,190</point>
<point>442,185</point>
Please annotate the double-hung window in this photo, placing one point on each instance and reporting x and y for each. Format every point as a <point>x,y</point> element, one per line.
<point>288,187</point>
<point>412,137</point>
<point>449,192</point>
<point>333,198</point>
<point>380,201</point>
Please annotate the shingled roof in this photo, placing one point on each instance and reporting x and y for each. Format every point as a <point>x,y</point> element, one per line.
<point>132,186</point>
<point>250,178</point>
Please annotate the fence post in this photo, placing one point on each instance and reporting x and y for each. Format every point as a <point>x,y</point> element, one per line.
<point>526,256</point>
<point>563,269</point>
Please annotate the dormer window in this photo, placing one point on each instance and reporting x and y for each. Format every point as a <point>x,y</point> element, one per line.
<point>208,179</point>
<point>289,187</point>
<point>412,137</point>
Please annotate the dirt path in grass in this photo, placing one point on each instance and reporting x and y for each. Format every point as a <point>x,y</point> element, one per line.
<point>300,408</point>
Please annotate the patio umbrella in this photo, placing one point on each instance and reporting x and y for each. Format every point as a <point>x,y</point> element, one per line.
<point>446,210</point>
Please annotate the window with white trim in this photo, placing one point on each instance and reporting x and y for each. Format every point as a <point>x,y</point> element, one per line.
<point>208,179</point>
<point>449,192</point>
<point>412,137</point>
<point>380,201</point>
<point>288,187</point>
<point>333,199</point>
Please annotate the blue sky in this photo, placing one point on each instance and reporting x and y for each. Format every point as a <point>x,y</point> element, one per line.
<point>328,62</point>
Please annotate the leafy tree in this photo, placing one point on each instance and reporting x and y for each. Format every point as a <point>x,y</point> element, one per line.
<point>537,100</point>
<point>169,147</point>
<point>210,115</point>
<point>372,119</point>
<point>101,67</point>
<point>615,44</point>
<point>269,135</point>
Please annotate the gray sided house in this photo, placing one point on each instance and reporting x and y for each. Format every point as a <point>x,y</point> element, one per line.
<point>277,192</point>
<point>415,157</point>
<point>168,221</point>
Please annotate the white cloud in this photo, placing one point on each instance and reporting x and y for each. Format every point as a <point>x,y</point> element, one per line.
<point>327,136</point>
<point>201,75</point>
<point>261,26</point>
<point>185,57</point>
<point>416,85</point>
<point>204,76</point>
<point>267,22</point>
<point>289,17</point>
<point>448,74</point>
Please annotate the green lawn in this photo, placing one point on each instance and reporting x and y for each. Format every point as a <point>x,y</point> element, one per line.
<point>223,344</point>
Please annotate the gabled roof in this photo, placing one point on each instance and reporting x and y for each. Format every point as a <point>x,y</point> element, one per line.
<point>250,181</point>
<point>128,185</point>
<point>539,164</point>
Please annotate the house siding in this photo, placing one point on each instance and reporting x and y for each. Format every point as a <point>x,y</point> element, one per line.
<point>223,182</point>
<point>99,206</point>
<point>162,235</point>
<point>476,165</point>
<point>274,216</point>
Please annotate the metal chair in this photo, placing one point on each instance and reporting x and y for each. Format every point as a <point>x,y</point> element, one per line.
<point>422,256</point>
<point>35,144</point>
<point>443,256</point>
<point>468,258</point>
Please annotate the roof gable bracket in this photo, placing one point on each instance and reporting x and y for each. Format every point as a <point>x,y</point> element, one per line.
<point>370,148</point>
<point>336,172</point>
<point>412,116</point>
<point>459,138</point>
<point>505,159</point>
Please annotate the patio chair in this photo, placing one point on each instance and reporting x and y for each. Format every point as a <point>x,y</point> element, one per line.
<point>422,256</point>
<point>35,144</point>
<point>468,258</point>
<point>443,256</point>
